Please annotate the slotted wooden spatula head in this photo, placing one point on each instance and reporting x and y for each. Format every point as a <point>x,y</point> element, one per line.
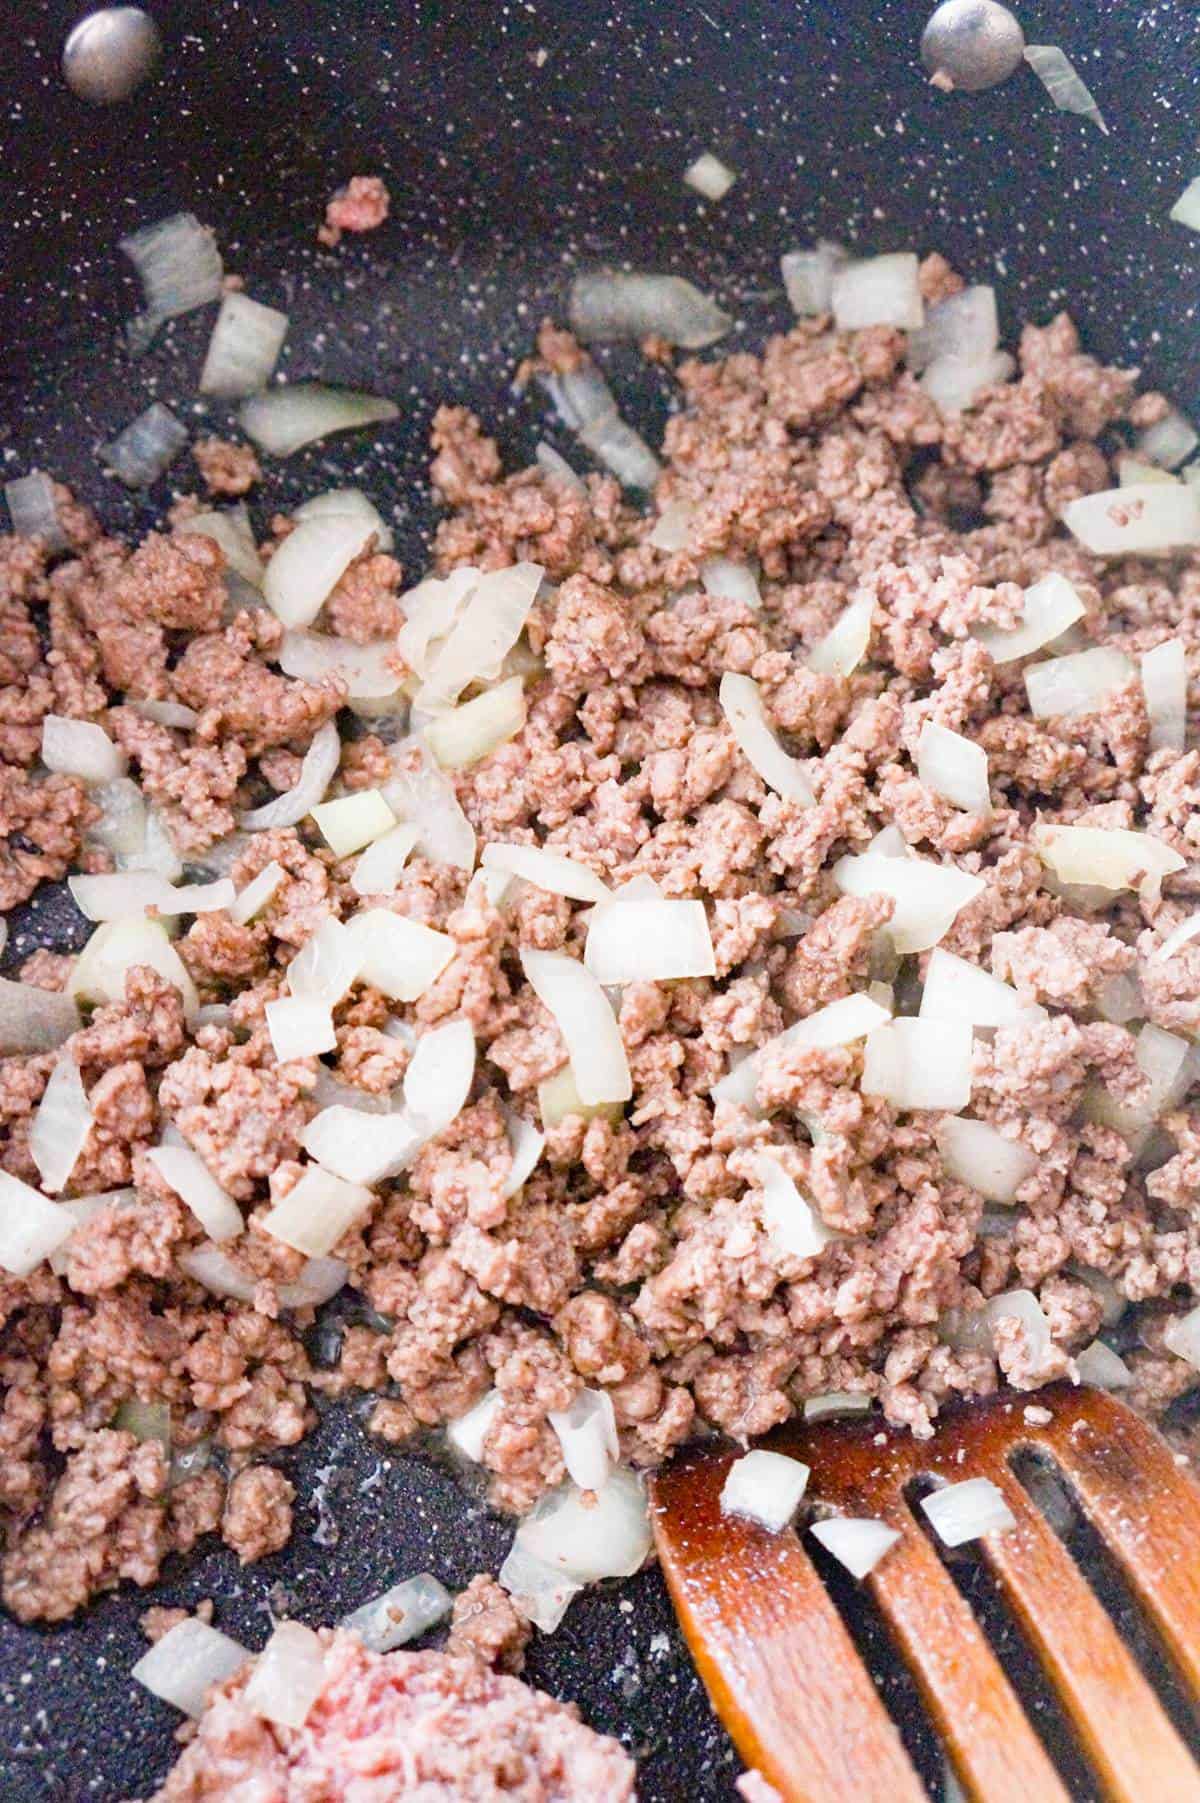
<point>782,1670</point>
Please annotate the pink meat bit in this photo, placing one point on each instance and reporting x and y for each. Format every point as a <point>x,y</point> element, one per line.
<point>361,206</point>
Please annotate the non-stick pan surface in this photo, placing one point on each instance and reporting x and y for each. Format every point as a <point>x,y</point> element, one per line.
<point>519,139</point>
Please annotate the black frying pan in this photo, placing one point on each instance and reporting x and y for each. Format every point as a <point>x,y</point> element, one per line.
<point>507,168</point>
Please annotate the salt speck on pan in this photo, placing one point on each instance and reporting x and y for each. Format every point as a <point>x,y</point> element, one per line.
<point>660,1646</point>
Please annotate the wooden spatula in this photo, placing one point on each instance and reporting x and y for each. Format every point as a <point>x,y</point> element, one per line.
<point>782,1670</point>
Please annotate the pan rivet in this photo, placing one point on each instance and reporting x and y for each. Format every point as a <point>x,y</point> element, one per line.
<point>111,53</point>
<point>972,44</point>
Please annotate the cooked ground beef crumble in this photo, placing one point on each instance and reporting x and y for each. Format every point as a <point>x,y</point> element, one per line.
<point>634,1259</point>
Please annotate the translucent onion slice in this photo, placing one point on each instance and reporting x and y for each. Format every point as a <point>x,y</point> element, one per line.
<point>1166,1061</point>
<point>928,897</point>
<point>425,797</point>
<point>306,568</point>
<point>838,1023</point>
<point>709,176</point>
<point>79,748</point>
<point>1133,473</point>
<point>1182,1337</point>
<point>230,528</point>
<point>33,510</point>
<point>61,1125</point>
<point>844,646</point>
<point>540,1591</point>
<point>1106,858</point>
<point>1177,938</point>
<point>439,1076</point>
<point>118,895</point>
<point>352,821</point>
<point>316,773</point>
<point>363,1148</point>
<point>146,448</point>
<point>464,735</point>
<point>585,1019</point>
<point>958,990</point>
<point>558,1099</point>
<point>326,966</point>
<point>288,1676</point>
<point>966,1511</point>
<point>1105,1369</point>
<point>728,580</point>
<point>1122,522</point>
<point>607,1536</point>
<point>1186,210</point>
<point>878,291</point>
<point>397,955</point>
<point>381,866</point>
<point>857,1542</point>
<point>742,704</point>
<point>348,503</point>
<point>1051,606</point>
<point>468,1433</point>
<point>1165,685</point>
<point>244,348</point>
<point>282,420</point>
<point>587,1435</point>
<point>672,529</point>
<point>766,1487</point>
<point>808,278</point>
<point>918,1064</point>
<point>650,941</point>
<point>792,1223</point>
<point>34,1020</point>
<point>964,325</point>
<point>183,1666</point>
<point>179,267</point>
<point>185,1172</point>
<point>483,634</point>
<point>299,1028</point>
<point>367,670</point>
<point>320,1278</point>
<point>1062,81</point>
<point>974,1329</point>
<point>553,464</point>
<point>401,1614</point>
<point>115,948</point>
<point>251,900</point>
<point>1081,683</point>
<point>954,768</point>
<point>982,1157</point>
<point>956,383</point>
<point>314,1215</point>
<point>548,870</point>
<point>834,1403</point>
<point>622,451</point>
<point>527,1145</point>
<point>431,611</point>
<point>1170,442</point>
<point>31,1226</point>
<point>606,305</point>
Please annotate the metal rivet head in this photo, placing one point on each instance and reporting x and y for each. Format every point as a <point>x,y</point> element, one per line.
<point>111,53</point>
<point>972,44</point>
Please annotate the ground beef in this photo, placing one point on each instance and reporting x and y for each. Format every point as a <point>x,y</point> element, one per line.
<point>360,206</point>
<point>420,1726</point>
<point>227,469</point>
<point>258,1513</point>
<point>486,1624</point>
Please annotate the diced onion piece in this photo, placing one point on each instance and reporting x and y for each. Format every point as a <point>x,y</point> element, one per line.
<point>401,1614</point>
<point>183,1666</point>
<point>1100,1366</point>
<point>709,176</point>
<point>581,396</point>
<point>300,1028</point>
<point>982,1157</point>
<point>185,1172</point>
<point>120,894</point>
<point>319,1279</point>
<point>361,1147</point>
<point>964,326</point>
<point>1106,857</point>
<point>766,1487</point>
<point>585,1019</point>
<point>348,503</point>
<point>314,1215</point>
<point>965,1511</point>
<point>917,1064</point>
<point>31,1226</point>
<point>316,773</point>
<point>558,1099</point>
<point>366,670</point>
<point>157,853</point>
<point>1182,1337</point>
<point>838,1023</point>
<point>954,384</point>
<point>230,528</point>
<point>878,291</point>
<point>258,892</point>
<point>742,704</point>
<point>648,941</point>
<point>858,1543</point>
<point>483,634</point>
<point>553,464</point>
<point>61,1125</point>
<point>527,1146</point>
<point>34,1020</point>
<point>79,748</point>
<point>844,646</point>
<point>439,1076</point>
<point>426,799</point>
<point>671,529</point>
<point>33,510</point>
<point>288,1676</point>
<point>606,305</point>
<point>1178,938</point>
<point>728,580</point>
<point>146,448</point>
<point>468,1433</point>
<point>1062,81</point>
<point>1121,522</point>
<point>587,1434</point>
<point>954,768</point>
<point>792,1223</point>
<point>327,964</point>
<point>955,989</point>
<point>1186,210</point>
<point>548,870</point>
<point>115,948</point>
<point>808,278</point>
<point>540,1591</point>
<point>351,822</point>
<point>607,1536</point>
<point>397,955</point>
<point>1078,684</point>
<point>928,896</point>
<point>835,1403</point>
<point>244,348</point>
<point>306,568</point>
<point>1170,442</point>
<point>180,268</point>
<point>1166,1061</point>
<point>463,735</point>
<point>431,611</point>
<point>615,444</point>
<point>1133,473</point>
<point>1165,685</point>
<point>1051,606</point>
<point>973,1329</point>
<point>379,870</point>
<point>282,420</point>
